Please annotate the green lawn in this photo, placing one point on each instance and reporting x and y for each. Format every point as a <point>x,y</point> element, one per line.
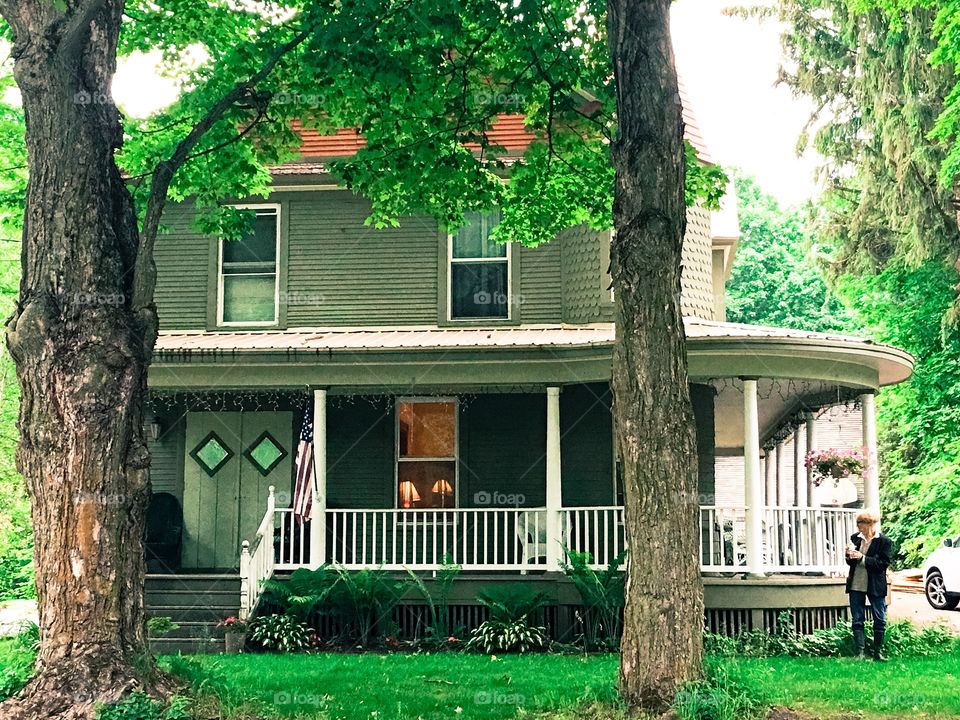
<point>913,687</point>
<point>404,686</point>
<point>367,686</point>
<point>334,686</point>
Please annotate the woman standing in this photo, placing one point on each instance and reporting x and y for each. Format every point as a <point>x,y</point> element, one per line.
<point>868,556</point>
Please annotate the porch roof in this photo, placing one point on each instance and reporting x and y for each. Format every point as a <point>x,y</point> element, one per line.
<point>715,349</point>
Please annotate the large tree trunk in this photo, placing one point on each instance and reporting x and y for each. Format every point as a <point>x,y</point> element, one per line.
<point>662,643</point>
<point>81,349</point>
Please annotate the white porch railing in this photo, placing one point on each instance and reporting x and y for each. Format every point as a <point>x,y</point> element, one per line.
<point>257,565</point>
<point>794,539</point>
<point>477,539</point>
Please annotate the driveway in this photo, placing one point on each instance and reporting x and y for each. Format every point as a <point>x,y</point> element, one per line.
<point>910,603</point>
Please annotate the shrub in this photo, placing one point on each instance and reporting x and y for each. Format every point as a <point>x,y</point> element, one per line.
<point>719,696</point>
<point>509,627</point>
<point>283,633</point>
<point>160,625</point>
<point>507,636</point>
<point>17,656</point>
<point>903,639</point>
<point>602,593</point>
<point>304,593</point>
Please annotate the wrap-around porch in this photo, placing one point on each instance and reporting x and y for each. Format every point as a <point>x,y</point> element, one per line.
<point>505,534</point>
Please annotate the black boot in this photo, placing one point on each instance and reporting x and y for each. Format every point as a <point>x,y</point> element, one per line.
<point>859,640</point>
<point>878,644</point>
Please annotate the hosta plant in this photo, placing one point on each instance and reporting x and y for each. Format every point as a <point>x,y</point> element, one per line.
<point>280,632</point>
<point>507,636</point>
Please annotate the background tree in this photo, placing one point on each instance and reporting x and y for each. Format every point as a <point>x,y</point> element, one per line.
<point>418,78</point>
<point>881,75</point>
<point>778,273</point>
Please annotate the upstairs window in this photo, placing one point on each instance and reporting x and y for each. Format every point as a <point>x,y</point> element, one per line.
<point>248,279</point>
<point>479,271</point>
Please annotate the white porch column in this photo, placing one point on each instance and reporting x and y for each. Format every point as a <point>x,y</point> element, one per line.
<point>871,478</point>
<point>752,481</point>
<point>318,516</point>
<point>810,422</point>
<point>796,466</point>
<point>778,476</point>
<point>768,461</point>
<point>554,495</point>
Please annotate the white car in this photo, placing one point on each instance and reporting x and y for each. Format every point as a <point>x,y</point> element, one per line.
<point>941,575</point>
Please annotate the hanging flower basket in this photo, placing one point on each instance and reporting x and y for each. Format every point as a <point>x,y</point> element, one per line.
<point>835,464</point>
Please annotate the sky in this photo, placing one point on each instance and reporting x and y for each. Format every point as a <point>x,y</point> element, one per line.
<point>729,66</point>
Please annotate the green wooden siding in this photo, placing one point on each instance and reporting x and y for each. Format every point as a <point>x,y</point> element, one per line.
<point>166,455</point>
<point>702,397</point>
<point>582,274</point>
<point>503,442</point>
<point>342,272</point>
<point>586,445</point>
<point>538,297</point>
<point>184,260</point>
<point>360,452</point>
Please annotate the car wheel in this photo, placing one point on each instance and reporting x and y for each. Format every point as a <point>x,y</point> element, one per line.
<point>937,592</point>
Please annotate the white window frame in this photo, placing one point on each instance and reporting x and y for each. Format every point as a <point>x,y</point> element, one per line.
<point>456,448</point>
<point>276,286</point>
<point>451,260</point>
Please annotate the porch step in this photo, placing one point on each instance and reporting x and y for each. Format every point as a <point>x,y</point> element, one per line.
<point>195,602</point>
<point>186,646</point>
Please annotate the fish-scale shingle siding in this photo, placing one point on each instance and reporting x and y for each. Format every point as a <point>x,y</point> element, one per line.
<point>582,270</point>
<point>696,279</point>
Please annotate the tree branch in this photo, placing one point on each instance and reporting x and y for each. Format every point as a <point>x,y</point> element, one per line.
<point>145,270</point>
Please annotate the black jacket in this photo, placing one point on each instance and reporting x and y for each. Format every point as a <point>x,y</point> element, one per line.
<point>876,561</point>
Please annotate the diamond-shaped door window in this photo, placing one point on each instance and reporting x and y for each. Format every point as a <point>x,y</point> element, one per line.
<point>265,453</point>
<point>212,453</point>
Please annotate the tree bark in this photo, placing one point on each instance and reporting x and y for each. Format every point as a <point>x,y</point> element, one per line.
<point>81,350</point>
<point>662,644</point>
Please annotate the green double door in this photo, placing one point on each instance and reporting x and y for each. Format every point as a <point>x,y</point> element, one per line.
<point>232,458</point>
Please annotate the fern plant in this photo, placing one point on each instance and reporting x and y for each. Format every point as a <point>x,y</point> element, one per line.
<point>365,600</point>
<point>602,593</point>
<point>439,629</point>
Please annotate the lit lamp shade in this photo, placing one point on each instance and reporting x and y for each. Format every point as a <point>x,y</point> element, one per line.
<point>408,494</point>
<point>443,489</point>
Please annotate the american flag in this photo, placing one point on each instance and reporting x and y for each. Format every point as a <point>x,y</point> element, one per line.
<point>303,487</point>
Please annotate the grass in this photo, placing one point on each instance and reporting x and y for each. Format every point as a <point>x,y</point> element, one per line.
<point>351,687</point>
<point>396,685</point>
<point>926,687</point>
<point>369,686</point>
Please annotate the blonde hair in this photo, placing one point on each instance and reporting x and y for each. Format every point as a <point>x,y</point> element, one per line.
<point>868,516</point>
